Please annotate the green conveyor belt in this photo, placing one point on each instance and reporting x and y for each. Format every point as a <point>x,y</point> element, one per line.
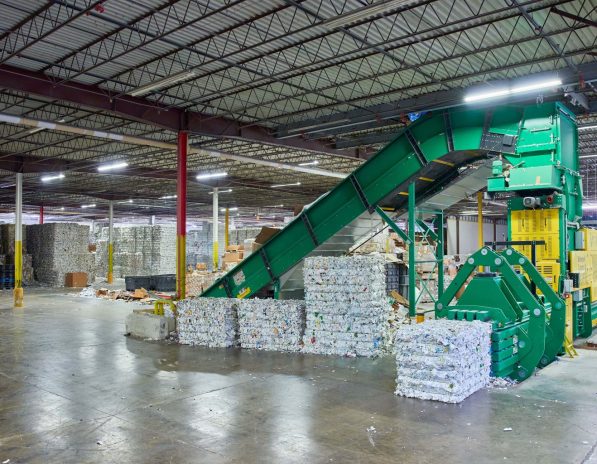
<point>428,152</point>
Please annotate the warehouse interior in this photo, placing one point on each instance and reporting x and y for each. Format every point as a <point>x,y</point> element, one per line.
<point>298,231</point>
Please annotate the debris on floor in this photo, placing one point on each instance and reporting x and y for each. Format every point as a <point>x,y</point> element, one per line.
<point>140,294</point>
<point>442,360</point>
<point>501,383</point>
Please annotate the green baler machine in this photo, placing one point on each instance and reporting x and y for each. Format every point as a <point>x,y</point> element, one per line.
<point>534,150</point>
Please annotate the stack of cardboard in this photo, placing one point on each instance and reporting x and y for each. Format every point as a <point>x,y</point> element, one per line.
<point>263,236</point>
<point>199,279</point>
<point>234,255</point>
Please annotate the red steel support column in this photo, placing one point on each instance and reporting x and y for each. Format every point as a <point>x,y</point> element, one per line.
<point>41,214</point>
<point>181,214</point>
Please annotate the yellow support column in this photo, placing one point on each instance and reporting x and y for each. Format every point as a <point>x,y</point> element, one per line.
<point>480,221</point>
<point>18,290</point>
<point>227,228</point>
<point>110,277</point>
<point>216,259</point>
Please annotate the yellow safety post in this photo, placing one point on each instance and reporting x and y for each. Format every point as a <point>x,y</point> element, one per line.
<point>18,290</point>
<point>216,260</point>
<point>480,221</point>
<point>227,228</point>
<point>110,277</point>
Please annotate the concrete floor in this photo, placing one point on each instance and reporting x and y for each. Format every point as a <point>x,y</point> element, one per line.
<point>73,389</point>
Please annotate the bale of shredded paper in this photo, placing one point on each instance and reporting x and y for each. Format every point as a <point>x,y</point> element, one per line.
<point>211,322</point>
<point>442,360</point>
<point>274,325</point>
<point>347,305</point>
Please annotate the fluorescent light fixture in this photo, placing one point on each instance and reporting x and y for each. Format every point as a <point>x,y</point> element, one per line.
<point>112,166</point>
<point>159,84</point>
<point>221,191</point>
<point>309,163</point>
<point>36,130</point>
<point>229,209</point>
<point>589,206</point>
<point>366,12</point>
<point>588,156</point>
<point>62,208</point>
<point>285,185</point>
<point>168,197</point>
<point>92,205</point>
<point>592,126</point>
<point>211,175</point>
<point>51,178</point>
<point>475,97</point>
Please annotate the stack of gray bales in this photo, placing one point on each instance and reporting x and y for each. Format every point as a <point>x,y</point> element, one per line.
<point>139,250</point>
<point>59,248</point>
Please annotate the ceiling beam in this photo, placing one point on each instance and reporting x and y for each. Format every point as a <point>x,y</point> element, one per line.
<point>378,115</point>
<point>30,164</point>
<point>153,113</point>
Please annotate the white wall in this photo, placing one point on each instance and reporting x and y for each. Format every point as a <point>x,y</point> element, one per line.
<point>469,241</point>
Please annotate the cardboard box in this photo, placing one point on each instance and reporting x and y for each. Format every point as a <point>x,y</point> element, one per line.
<point>265,234</point>
<point>92,247</point>
<point>75,279</point>
<point>201,266</point>
<point>233,257</point>
<point>234,248</point>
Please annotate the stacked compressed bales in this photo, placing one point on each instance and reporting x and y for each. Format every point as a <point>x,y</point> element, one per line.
<point>347,307</point>
<point>274,325</point>
<point>211,322</point>
<point>442,360</point>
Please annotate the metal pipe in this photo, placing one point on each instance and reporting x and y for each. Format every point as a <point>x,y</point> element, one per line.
<point>216,261</point>
<point>181,214</point>
<point>50,125</point>
<point>41,214</point>
<point>18,290</point>
<point>110,277</point>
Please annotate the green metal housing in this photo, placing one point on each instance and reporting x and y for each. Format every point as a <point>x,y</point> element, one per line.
<point>433,147</point>
<point>535,150</point>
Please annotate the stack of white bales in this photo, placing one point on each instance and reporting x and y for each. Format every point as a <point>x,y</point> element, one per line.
<point>347,306</point>
<point>211,322</point>
<point>442,360</point>
<point>275,325</point>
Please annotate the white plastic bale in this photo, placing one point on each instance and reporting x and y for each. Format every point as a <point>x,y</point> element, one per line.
<point>211,322</point>
<point>347,306</point>
<point>273,325</point>
<point>442,360</point>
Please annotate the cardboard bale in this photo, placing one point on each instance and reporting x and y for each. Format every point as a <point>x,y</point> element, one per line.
<point>75,279</point>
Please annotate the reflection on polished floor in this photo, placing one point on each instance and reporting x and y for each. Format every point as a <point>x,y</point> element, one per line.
<point>73,389</point>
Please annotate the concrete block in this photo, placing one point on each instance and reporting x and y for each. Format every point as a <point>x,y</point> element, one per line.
<point>147,325</point>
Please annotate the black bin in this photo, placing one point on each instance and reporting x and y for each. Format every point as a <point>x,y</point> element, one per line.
<point>131,283</point>
<point>164,282</point>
